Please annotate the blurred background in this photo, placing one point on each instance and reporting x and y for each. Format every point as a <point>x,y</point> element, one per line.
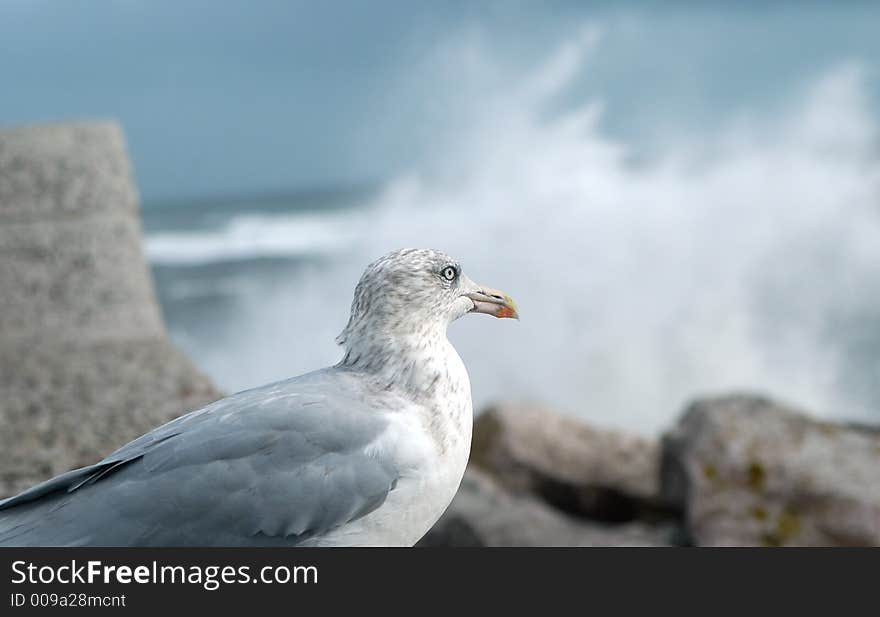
<point>682,199</point>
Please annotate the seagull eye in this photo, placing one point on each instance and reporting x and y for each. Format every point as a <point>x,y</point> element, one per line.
<point>449,273</point>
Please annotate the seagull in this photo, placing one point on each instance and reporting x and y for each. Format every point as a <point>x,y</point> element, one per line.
<point>368,452</point>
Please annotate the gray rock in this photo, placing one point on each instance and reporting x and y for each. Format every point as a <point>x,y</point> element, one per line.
<point>749,471</point>
<point>598,474</point>
<point>85,362</point>
<point>484,514</point>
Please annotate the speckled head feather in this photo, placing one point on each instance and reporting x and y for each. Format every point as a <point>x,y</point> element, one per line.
<point>406,292</point>
<point>401,309</point>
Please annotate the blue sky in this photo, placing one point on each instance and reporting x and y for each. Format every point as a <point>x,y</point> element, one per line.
<point>234,97</point>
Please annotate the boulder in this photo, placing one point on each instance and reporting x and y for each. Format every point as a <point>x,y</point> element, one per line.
<point>748,471</point>
<point>85,362</point>
<point>588,472</point>
<point>484,514</point>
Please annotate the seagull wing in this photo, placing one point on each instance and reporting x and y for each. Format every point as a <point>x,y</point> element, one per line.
<point>278,465</point>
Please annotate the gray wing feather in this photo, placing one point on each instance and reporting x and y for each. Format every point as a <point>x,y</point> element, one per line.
<point>276,465</point>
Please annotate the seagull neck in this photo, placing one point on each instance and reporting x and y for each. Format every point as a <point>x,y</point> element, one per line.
<point>417,363</point>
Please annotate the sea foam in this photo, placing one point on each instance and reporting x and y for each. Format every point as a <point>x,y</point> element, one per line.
<point>743,259</point>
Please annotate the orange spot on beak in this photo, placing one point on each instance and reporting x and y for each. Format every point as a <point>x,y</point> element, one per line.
<point>505,311</point>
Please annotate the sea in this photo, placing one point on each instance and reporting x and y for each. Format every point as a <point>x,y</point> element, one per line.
<point>656,255</point>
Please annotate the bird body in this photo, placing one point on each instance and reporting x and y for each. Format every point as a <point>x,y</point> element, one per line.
<point>431,443</point>
<point>368,452</point>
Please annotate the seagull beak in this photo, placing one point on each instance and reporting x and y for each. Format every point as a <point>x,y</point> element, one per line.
<point>493,302</point>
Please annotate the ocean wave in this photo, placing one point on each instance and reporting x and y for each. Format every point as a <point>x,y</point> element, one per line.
<point>252,236</point>
<point>745,258</point>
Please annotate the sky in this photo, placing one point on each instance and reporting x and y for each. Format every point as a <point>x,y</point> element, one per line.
<point>238,98</point>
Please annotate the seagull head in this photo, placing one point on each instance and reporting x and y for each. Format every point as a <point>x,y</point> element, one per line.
<point>410,290</point>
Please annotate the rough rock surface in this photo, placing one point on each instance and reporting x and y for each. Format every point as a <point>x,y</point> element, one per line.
<point>484,514</point>
<point>85,363</point>
<point>749,471</point>
<point>600,474</point>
